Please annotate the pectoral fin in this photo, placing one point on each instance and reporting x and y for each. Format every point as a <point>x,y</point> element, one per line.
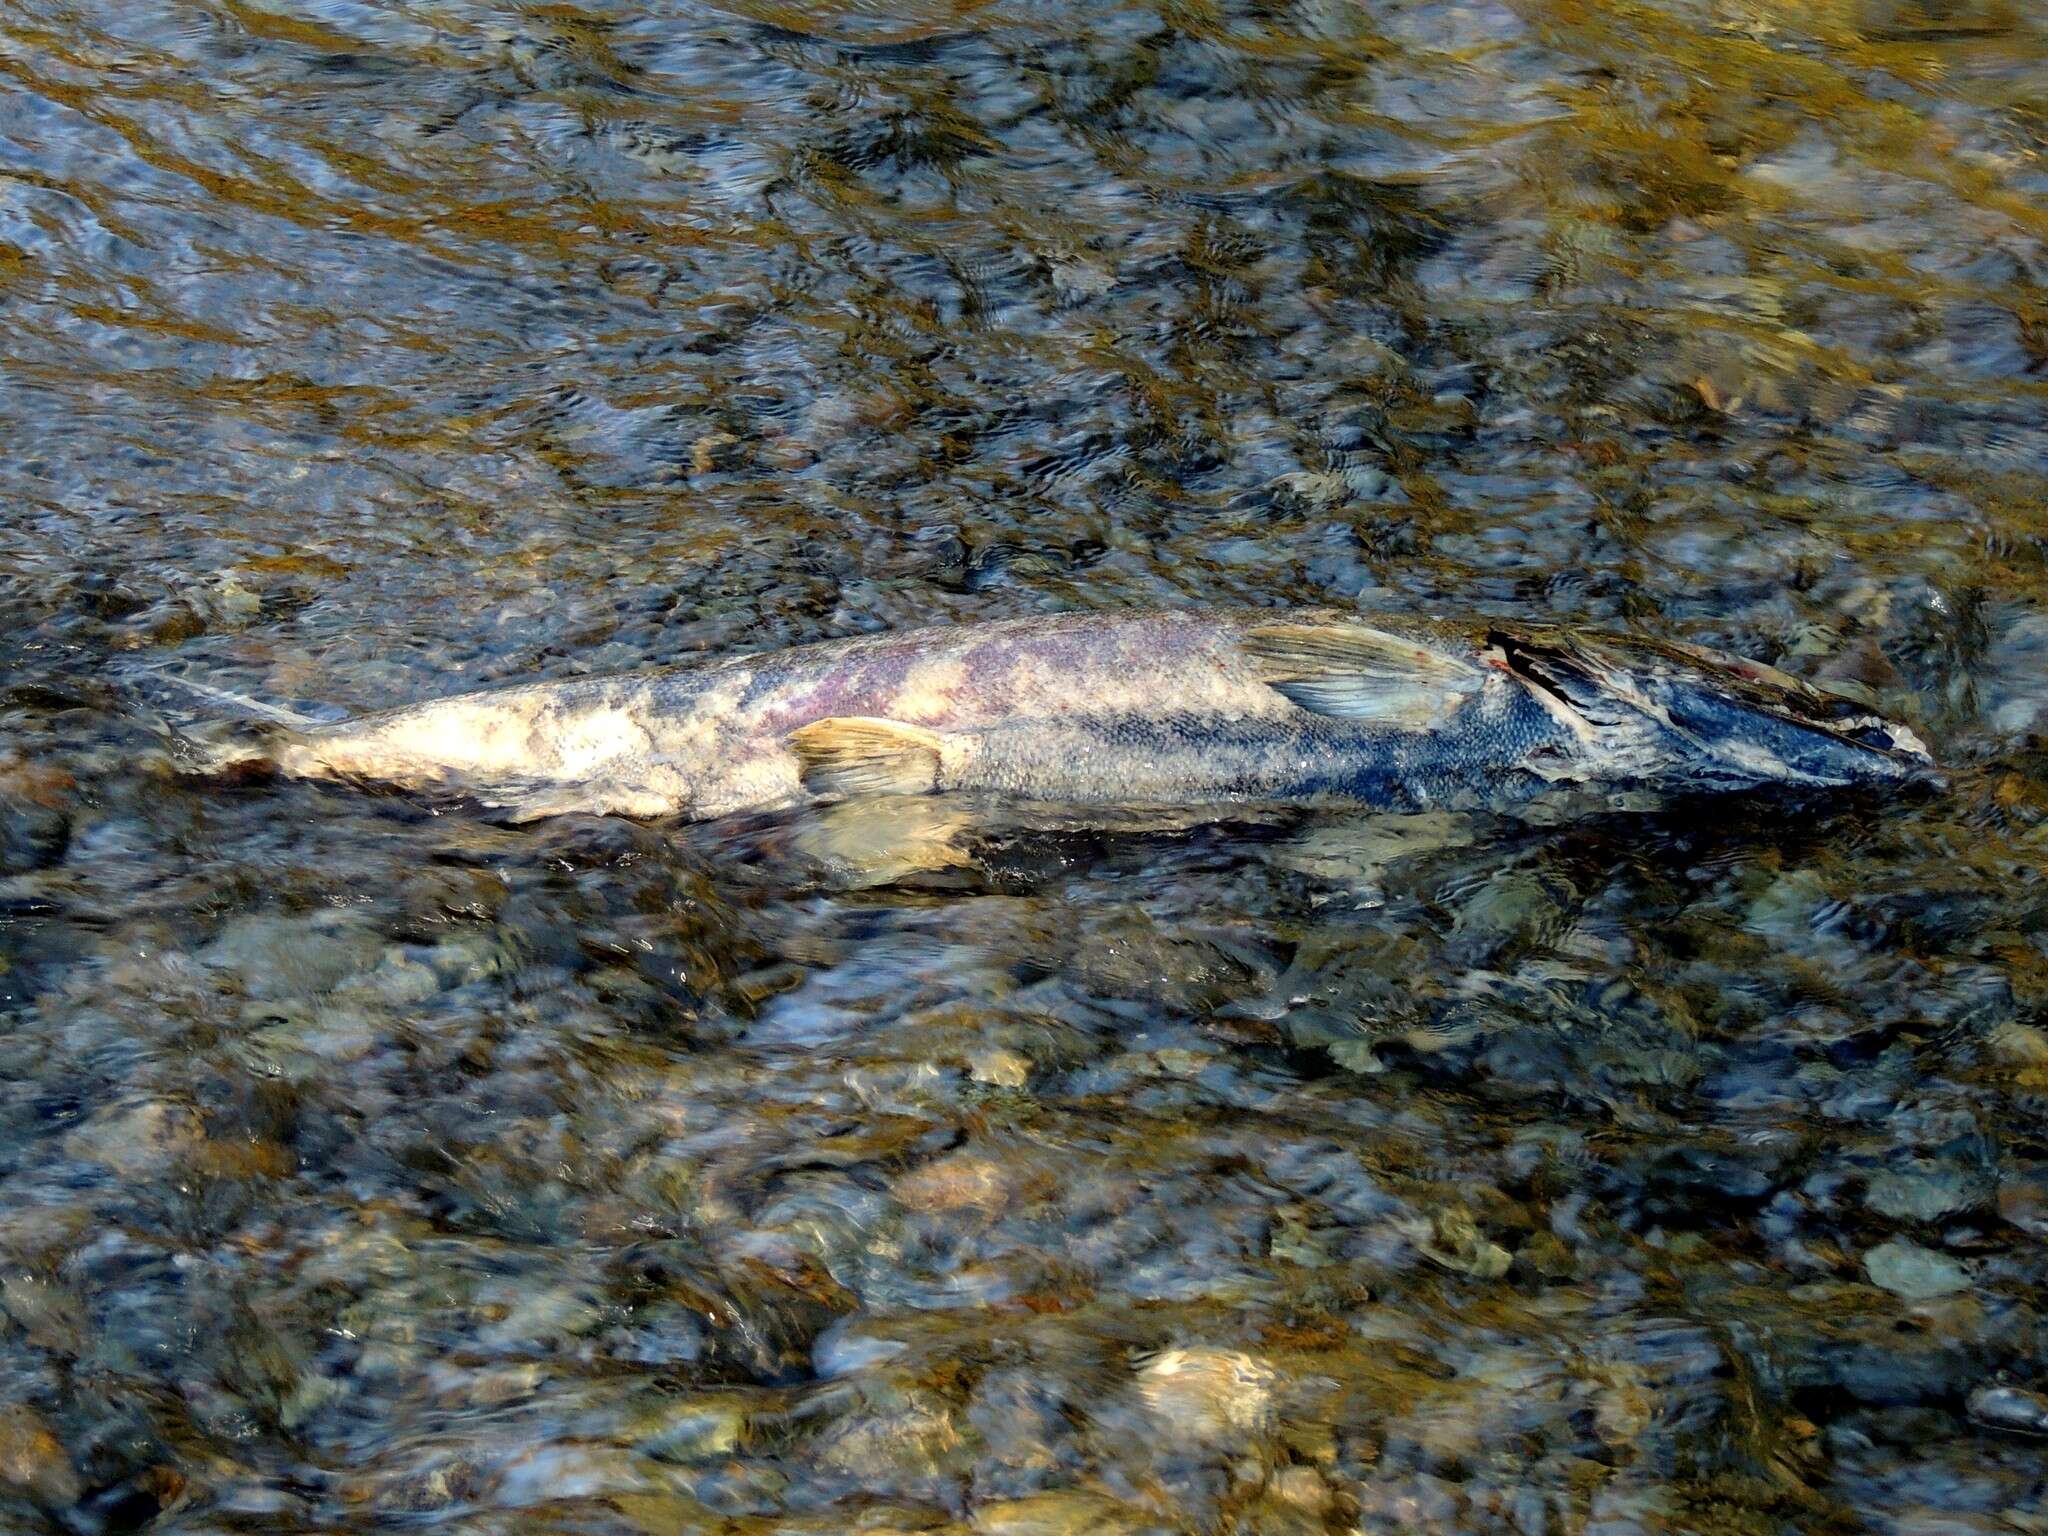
<point>860,755</point>
<point>1358,673</point>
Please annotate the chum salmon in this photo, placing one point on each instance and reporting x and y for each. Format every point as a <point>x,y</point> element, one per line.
<point>1182,708</point>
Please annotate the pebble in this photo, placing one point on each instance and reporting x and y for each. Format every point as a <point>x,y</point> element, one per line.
<point>1457,1243</point>
<point>2019,1045</point>
<point>50,1315</point>
<point>961,1181</point>
<point>2023,1200</point>
<point>999,1067</point>
<point>1071,1513</point>
<point>137,1140</point>
<point>712,451</point>
<point>234,603</point>
<point>696,1427</point>
<point>401,979</point>
<point>292,956</point>
<point>1906,1269</point>
<point>1545,1255</point>
<point>911,1434</point>
<point>32,1459</point>
<point>1302,1487</point>
<point>571,1470</point>
<point>1208,1394</point>
<point>1921,1196</point>
<point>2014,1408</point>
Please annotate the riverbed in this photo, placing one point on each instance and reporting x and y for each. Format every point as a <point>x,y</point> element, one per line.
<point>370,1165</point>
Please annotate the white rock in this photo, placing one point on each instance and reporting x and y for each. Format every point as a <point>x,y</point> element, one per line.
<point>1208,1394</point>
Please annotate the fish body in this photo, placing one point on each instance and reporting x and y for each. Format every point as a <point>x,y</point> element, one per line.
<point>1165,708</point>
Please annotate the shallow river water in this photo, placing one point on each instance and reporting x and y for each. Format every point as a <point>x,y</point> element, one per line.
<point>371,1166</point>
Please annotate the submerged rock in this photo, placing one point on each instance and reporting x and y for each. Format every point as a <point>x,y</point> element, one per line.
<point>2013,1408</point>
<point>2023,1200</point>
<point>138,1140</point>
<point>278,955</point>
<point>1205,1394</point>
<point>1924,1194</point>
<point>1071,1513</point>
<point>959,1181</point>
<point>697,1427</point>
<point>31,836</point>
<point>32,1459</point>
<point>1906,1269</point>
<point>1455,1242</point>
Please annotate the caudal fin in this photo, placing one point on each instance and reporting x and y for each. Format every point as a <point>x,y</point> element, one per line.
<point>247,737</point>
<point>241,704</point>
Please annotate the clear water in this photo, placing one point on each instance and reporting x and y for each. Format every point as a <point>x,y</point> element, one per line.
<point>365,1166</point>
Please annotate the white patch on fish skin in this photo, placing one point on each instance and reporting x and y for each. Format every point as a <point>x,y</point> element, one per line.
<point>1898,740</point>
<point>761,779</point>
<point>929,690</point>
<point>584,742</point>
<point>958,751</point>
<point>712,756</point>
<point>513,735</point>
<point>466,739</point>
<point>1759,762</point>
<point>584,799</point>
<point>451,738</point>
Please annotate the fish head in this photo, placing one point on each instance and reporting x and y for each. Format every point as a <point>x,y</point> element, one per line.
<point>1711,720</point>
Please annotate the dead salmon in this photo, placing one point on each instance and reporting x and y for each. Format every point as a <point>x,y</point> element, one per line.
<point>1158,708</point>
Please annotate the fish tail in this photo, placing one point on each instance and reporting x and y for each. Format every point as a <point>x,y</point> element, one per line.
<point>246,707</point>
<point>250,737</point>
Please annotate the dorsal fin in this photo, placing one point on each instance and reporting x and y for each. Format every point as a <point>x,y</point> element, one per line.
<point>1359,673</point>
<point>863,755</point>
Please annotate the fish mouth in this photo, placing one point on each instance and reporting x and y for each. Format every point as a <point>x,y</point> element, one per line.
<point>1714,717</point>
<point>1874,733</point>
